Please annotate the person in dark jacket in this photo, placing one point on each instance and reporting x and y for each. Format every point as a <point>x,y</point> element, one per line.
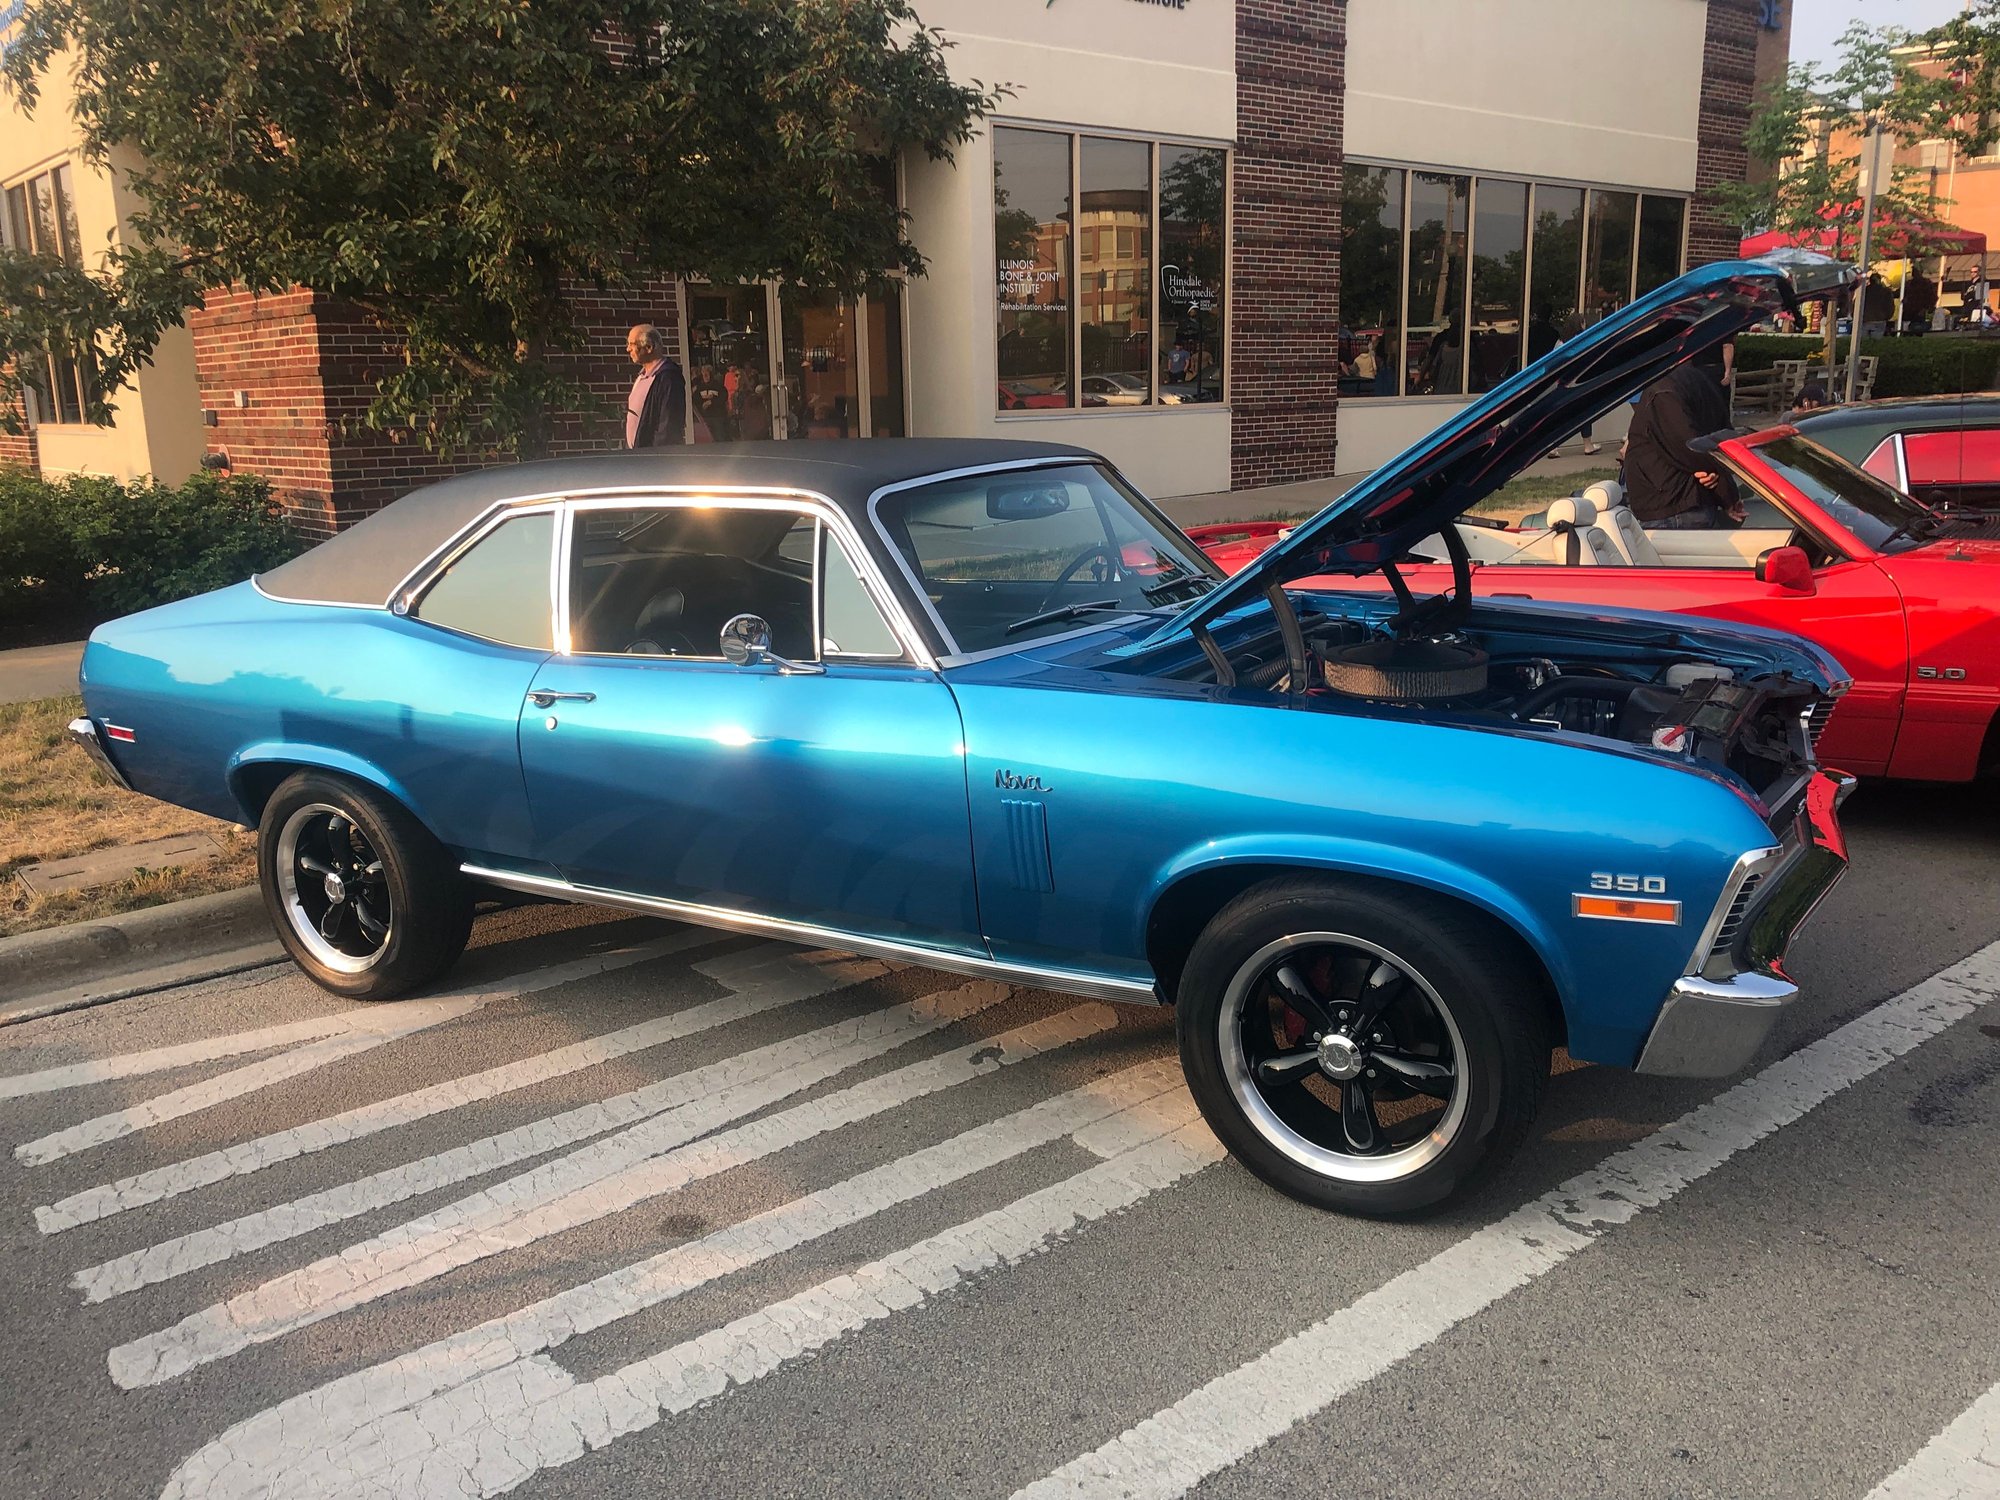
<point>1667,483</point>
<point>656,411</point>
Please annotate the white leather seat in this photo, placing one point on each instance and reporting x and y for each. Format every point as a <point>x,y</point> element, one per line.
<point>1621,527</point>
<point>1573,517</point>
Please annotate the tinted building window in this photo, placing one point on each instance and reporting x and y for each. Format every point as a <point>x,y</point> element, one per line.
<point>1499,274</point>
<point>499,589</point>
<point>41,220</point>
<point>1371,281</point>
<point>1031,243</point>
<point>1434,331</point>
<point>1557,280</point>
<point>1660,221</point>
<point>1115,214</point>
<point>1194,188</point>
<point>1608,283</point>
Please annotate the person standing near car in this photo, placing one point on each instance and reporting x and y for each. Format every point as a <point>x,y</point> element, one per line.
<point>656,409</point>
<point>1669,485</point>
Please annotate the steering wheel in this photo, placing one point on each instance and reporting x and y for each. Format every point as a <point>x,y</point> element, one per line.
<point>1101,550</point>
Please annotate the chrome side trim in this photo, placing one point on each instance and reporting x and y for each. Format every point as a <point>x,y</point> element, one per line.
<point>257,583</point>
<point>1069,981</point>
<point>84,733</point>
<point>1756,862</point>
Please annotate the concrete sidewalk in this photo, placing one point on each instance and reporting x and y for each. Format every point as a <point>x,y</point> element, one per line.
<point>31,672</point>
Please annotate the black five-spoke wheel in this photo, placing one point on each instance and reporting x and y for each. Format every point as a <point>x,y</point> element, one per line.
<point>1346,1059</point>
<point>335,888</point>
<point>1362,1046</point>
<point>366,900</point>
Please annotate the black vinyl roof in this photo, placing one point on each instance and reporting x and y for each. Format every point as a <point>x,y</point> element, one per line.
<point>1853,431</point>
<point>365,563</point>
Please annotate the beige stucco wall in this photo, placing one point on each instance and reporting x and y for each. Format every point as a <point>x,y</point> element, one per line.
<point>1573,89</point>
<point>158,426</point>
<point>1110,64</point>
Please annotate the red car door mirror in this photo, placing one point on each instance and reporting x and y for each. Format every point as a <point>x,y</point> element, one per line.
<point>1788,568</point>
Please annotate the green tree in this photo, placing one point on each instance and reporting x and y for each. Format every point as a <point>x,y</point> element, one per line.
<point>1811,130</point>
<point>455,168</point>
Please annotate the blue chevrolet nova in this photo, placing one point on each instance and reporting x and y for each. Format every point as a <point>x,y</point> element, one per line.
<point>979,705</point>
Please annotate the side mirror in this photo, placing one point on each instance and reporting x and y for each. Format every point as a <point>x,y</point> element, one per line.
<point>746,639</point>
<point>1787,568</point>
<point>746,642</point>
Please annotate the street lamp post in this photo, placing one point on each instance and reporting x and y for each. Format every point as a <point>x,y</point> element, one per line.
<point>1867,250</point>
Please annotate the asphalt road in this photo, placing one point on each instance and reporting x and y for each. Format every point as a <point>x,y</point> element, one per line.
<point>639,1210</point>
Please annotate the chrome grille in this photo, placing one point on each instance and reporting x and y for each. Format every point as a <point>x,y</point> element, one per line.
<point>1732,922</point>
<point>1816,719</point>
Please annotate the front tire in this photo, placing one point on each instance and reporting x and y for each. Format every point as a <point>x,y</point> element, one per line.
<point>362,895</point>
<point>1373,1051</point>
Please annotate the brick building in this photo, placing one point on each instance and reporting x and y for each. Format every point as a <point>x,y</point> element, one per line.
<point>1227,243</point>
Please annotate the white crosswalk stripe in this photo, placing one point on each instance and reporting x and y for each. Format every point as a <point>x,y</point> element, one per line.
<point>649,1159</point>
<point>1232,1416</point>
<point>361,1018</point>
<point>479,1413</point>
<point>1960,1463</point>
<point>702,1099</point>
<point>761,979</point>
<point>483,1410</point>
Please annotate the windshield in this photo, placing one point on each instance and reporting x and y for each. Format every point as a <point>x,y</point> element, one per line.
<point>1012,557</point>
<point>1884,518</point>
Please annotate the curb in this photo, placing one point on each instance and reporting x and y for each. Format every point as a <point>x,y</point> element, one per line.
<point>227,924</point>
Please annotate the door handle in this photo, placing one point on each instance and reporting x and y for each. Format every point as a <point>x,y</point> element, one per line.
<point>543,698</point>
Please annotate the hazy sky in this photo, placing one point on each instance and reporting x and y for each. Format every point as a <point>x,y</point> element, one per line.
<point>1817,24</point>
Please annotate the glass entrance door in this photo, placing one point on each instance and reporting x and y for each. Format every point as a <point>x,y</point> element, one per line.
<point>822,373</point>
<point>835,370</point>
<point>729,373</point>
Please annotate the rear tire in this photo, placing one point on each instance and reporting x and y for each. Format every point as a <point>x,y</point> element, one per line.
<point>1376,1051</point>
<point>363,896</point>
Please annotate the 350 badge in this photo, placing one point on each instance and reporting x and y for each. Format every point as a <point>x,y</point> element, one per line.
<point>1631,885</point>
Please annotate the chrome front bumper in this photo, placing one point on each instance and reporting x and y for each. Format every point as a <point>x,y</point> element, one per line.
<point>1712,1024</point>
<point>84,732</point>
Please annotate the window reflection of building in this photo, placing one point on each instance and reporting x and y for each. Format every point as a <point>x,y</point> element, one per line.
<point>1450,283</point>
<point>1144,325</point>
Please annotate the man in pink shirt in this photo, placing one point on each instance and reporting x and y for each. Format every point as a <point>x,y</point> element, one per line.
<point>656,410</point>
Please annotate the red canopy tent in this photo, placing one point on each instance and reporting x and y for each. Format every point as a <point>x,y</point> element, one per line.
<point>1891,240</point>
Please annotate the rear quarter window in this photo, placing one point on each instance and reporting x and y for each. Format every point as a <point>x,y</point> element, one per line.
<point>498,589</point>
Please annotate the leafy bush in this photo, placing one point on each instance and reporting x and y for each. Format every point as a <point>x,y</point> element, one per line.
<point>115,548</point>
<point>1924,366</point>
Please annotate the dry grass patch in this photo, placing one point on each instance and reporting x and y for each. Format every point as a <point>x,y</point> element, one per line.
<point>54,804</point>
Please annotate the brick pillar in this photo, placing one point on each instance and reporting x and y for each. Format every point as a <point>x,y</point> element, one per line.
<point>20,451</point>
<point>1728,80</point>
<point>268,348</point>
<point>1291,58</point>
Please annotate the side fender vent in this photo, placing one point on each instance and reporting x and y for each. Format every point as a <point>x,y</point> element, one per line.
<point>1027,827</point>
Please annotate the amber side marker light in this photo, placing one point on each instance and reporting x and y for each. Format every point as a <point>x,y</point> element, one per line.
<point>1622,909</point>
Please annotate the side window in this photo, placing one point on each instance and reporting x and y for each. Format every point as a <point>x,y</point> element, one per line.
<point>1882,462</point>
<point>662,580</point>
<point>499,588</point>
<point>850,624</point>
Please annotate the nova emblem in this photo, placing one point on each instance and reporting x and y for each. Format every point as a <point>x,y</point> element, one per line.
<point>1007,781</point>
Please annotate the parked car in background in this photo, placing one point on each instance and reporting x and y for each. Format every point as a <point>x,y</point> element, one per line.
<point>980,706</point>
<point>1018,395</point>
<point>1908,604</point>
<point>1942,450</point>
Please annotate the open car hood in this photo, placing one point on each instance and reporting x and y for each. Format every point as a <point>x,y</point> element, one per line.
<point>1471,455</point>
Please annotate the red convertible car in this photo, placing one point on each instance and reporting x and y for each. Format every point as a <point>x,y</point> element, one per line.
<point>1906,601</point>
